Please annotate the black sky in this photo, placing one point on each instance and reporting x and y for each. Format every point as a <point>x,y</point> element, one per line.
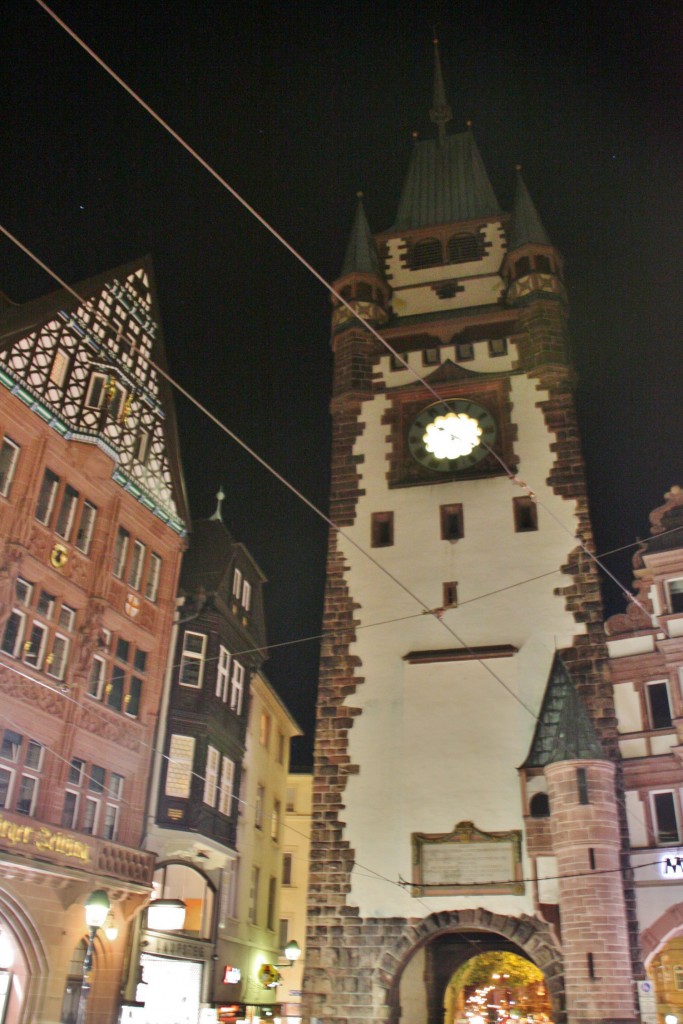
<point>299,106</point>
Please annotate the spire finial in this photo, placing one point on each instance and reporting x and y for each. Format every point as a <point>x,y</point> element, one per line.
<point>440,113</point>
<point>218,514</point>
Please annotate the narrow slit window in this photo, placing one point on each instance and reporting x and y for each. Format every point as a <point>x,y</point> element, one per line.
<point>46,496</point>
<point>498,347</point>
<point>582,784</point>
<point>452,522</point>
<point>659,707</point>
<point>450,595</point>
<point>67,512</point>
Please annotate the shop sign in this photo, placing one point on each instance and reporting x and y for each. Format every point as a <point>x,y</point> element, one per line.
<point>647,1002</point>
<point>231,975</point>
<point>671,866</point>
<point>43,839</point>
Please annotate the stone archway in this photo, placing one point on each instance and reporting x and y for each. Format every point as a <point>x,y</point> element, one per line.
<point>30,946</point>
<point>531,935</point>
<point>654,937</point>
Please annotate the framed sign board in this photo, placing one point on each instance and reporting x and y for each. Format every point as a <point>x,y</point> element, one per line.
<point>467,861</point>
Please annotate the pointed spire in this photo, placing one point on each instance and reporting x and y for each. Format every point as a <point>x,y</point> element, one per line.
<point>564,731</point>
<point>361,252</point>
<point>218,514</point>
<point>440,113</point>
<point>526,226</point>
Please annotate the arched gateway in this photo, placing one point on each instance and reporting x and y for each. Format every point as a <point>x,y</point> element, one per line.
<point>450,938</point>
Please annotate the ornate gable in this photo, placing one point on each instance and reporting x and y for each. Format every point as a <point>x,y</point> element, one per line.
<point>89,369</point>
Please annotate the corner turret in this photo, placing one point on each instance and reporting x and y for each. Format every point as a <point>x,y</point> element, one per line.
<point>362,282</point>
<point>532,264</point>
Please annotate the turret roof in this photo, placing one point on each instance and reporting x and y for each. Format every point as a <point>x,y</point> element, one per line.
<point>526,226</point>
<point>564,731</point>
<point>361,251</point>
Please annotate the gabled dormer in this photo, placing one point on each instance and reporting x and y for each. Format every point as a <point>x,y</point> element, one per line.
<point>91,369</point>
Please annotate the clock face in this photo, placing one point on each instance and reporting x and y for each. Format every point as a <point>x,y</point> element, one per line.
<point>452,436</point>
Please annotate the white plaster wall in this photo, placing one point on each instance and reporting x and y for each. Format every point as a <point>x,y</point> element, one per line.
<point>412,289</point>
<point>635,816</point>
<point>548,887</point>
<point>627,706</point>
<point>413,991</point>
<point>441,743</point>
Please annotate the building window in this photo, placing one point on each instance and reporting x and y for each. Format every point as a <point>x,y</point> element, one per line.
<point>275,821</point>
<point>120,551</point>
<point>192,660</point>
<point>105,393</point>
<point>665,819</point>
<point>450,594</point>
<point>137,562</point>
<point>452,522</point>
<point>31,630</point>
<point>237,584</point>
<point>523,266</point>
<point>9,457</point>
<point>26,757</point>
<point>395,361</point>
<point>539,806</point>
<point>264,729</point>
<point>430,357</point>
<point>252,913</point>
<point>543,264</point>
<point>237,687</point>
<point>678,977</point>
<point>123,690</point>
<point>223,674</point>
<point>258,810</point>
<point>525,511</point>
<point>153,575</point>
<point>246,595</point>
<point>426,253</point>
<point>99,793</point>
<point>67,512</point>
<point>179,766</point>
<point>280,756</point>
<point>675,588</point>
<point>498,347</point>
<point>282,933</point>
<point>591,965</point>
<point>582,784</point>
<point>462,248</point>
<point>213,760</point>
<point>272,890</point>
<point>141,446</point>
<point>659,708</point>
<point>382,529</point>
<point>464,351</point>
<point>226,786</point>
<point>86,527</point>
<point>290,803</point>
<point>287,869</point>
<point>47,496</point>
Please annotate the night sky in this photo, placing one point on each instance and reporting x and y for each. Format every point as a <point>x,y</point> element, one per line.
<point>299,106</point>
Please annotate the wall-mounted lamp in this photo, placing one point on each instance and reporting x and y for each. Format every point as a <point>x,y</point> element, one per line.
<point>97,907</point>
<point>269,974</point>
<point>110,929</point>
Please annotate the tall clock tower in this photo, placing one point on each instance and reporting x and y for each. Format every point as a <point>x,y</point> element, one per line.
<point>457,579</point>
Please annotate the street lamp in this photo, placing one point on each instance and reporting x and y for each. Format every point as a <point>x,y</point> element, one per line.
<point>166,915</point>
<point>97,907</point>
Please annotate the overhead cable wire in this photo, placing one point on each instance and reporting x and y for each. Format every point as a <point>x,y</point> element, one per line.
<point>324,282</point>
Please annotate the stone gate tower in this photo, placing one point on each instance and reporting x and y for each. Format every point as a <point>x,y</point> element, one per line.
<point>457,575</point>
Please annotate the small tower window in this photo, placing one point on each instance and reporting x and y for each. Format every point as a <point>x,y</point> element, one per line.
<point>364,291</point>
<point>543,265</point>
<point>539,806</point>
<point>498,347</point>
<point>426,253</point>
<point>450,595</point>
<point>526,514</point>
<point>464,351</point>
<point>523,266</point>
<point>382,530</point>
<point>462,248</point>
<point>582,784</point>
<point>430,357</point>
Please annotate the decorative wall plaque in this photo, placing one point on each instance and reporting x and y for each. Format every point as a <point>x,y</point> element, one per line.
<point>467,861</point>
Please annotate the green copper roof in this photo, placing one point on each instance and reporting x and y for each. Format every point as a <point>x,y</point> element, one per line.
<point>526,225</point>
<point>446,182</point>
<point>564,732</point>
<point>361,252</point>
